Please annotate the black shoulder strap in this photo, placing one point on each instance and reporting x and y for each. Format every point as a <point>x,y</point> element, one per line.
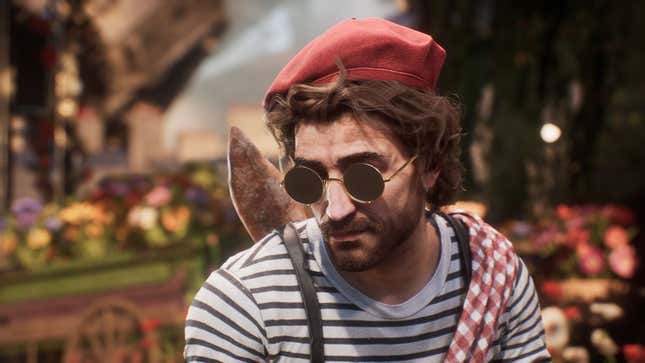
<point>307,290</point>
<point>463,238</point>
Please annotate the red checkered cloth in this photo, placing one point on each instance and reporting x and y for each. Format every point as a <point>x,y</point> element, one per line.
<point>494,266</point>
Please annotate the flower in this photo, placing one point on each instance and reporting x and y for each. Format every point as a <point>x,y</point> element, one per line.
<point>8,243</point>
<point>143,217</point>
<point>615,236</point>
<point>197,196</point>
<point>26,211</point>
<point>634,353</point>
<point>546,238</point>
<point>556,328</point>
<point>38,238</point>
<point>618,214</point>
<point>77,213</point>
<point>622,261</point>
<point>53,224</point>
<point>148,218</point>
<point>552,290</point>
<point>71,233</point>
<point>590,259</point>
<point>116,188</point>
<point>575,354</point>
<point>577,236</point>
<point>572,313</point>
<point>603,342</point>
<point>150,325</point>
<point>158,197</point>
<point>608,311</point>
<point>564,212</point>
<point>175,219</point>
<point>94,230</point>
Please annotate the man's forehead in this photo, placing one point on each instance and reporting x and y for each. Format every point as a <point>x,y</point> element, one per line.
<point>343,137</point>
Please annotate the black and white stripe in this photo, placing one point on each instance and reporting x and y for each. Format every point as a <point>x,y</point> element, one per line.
<point>251,310</point>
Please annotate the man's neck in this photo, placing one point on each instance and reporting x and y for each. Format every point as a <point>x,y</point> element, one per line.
<point>406,271</point>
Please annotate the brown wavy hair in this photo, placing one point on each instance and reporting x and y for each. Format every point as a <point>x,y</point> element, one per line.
<point>426,123</point>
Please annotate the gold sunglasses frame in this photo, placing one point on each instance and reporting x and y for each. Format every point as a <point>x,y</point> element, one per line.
<point>323,181</point>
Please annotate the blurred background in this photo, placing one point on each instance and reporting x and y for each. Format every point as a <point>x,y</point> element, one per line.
<point>114,115</point>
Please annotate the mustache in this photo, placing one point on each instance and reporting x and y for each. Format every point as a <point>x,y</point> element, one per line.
<point>356,224</point>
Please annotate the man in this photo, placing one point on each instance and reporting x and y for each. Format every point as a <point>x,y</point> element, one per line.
<point>375,154</point>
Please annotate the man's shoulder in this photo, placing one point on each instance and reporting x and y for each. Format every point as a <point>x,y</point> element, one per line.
<point>268,254</point>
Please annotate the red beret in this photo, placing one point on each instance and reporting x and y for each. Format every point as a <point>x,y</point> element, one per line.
<point>369,49</point>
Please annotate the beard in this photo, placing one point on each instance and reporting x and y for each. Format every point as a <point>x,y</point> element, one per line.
<point>377,243</point>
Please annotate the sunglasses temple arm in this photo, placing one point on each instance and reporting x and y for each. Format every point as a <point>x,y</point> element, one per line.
<point>401,168</point>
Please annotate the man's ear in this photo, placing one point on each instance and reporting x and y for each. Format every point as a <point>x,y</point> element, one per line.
<point>429,178</point>
<point>427,173</point>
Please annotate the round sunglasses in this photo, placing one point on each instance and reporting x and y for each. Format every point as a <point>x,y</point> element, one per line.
<point>363,182</point>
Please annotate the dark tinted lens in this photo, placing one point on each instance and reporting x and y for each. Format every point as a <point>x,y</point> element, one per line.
<point>363,182</point>
<point>303,185</point>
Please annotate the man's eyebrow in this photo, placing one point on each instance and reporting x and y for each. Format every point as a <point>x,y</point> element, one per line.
<point>366,156</point>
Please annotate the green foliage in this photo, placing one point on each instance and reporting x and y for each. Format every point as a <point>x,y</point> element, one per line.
<point>532,53</point>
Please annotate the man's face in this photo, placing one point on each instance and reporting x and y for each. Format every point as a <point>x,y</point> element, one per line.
<point>361,236</point>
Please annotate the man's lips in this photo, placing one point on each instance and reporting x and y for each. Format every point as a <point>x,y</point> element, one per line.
<point>345,236</point>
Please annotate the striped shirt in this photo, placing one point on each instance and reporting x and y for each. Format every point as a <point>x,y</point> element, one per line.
<point>251,310</point>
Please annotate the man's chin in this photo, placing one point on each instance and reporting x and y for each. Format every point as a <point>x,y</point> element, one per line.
<point>351,260</point>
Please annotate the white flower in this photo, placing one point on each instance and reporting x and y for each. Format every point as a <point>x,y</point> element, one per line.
<point>556,328</point>
<point>143,217</point>
<point>608,311</point>
<point>603,342</point>
<point>575,355</point>
<point>148,218</point>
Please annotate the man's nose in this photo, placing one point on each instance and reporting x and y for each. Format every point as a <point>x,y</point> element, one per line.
<point>339,203</point>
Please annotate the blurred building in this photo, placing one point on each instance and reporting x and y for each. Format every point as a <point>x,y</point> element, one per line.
<point>84,74</point>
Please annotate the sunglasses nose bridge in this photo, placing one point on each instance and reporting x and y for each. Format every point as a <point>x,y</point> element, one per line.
<point>339,203</point>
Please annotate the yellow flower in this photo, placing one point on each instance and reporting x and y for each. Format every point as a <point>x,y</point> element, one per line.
<point>38,238</point>
<point>80,212</point>
<point>94,230</point>
<point>8,243</point>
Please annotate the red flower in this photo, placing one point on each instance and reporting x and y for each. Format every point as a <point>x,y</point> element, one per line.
<point>634,353</point>
<point>551,290</point>
<point>619,214</point>
<point>572,313</point>
<point>149,325</point>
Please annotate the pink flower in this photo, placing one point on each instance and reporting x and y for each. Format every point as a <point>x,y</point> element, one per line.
<point>590,259</point>
<point>564,212</point>
<point>159,196</point>
<point>546,238</point>
<point>622,261</point>
<point>615,236</point>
